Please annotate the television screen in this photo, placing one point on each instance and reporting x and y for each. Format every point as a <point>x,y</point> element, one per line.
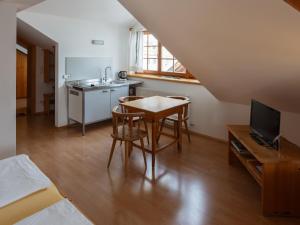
<point>264,121</point>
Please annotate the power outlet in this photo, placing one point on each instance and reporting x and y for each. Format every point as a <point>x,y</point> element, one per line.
<point>66,76</point>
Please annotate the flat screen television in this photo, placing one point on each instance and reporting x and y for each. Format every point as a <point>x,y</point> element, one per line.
<point>265,123</point>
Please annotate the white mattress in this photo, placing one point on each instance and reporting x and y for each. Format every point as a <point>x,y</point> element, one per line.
<point>61,213</point>
<point>20,177</point>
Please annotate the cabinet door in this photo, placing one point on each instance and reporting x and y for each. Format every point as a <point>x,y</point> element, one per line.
<point>116,93</point>
<point>97,105</point>
<point>75,105</point>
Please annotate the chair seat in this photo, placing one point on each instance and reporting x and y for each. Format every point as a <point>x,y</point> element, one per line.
<point>174,118</point>
<point>134,119</point>
<point>125,136</point>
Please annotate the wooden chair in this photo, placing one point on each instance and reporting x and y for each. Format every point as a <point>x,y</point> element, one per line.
<point>133,98</point>
<point>123,130</point>
<point>174,118</point>
<point>128,99</point>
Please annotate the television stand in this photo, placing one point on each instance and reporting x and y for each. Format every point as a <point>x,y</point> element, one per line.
<point>276,172</point>
<point>261,141</point>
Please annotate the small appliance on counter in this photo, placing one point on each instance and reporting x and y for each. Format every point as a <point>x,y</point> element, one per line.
<point>122,75</point>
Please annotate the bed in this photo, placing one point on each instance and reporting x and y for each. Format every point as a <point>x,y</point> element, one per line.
<point>18,205</point>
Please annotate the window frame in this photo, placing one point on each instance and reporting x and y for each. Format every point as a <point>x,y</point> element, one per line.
<point>186,75</point>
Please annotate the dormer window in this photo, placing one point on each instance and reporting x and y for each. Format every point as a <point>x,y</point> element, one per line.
<point>158,60</point>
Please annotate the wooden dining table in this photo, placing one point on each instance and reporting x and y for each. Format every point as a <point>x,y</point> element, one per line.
<point>155,109</point>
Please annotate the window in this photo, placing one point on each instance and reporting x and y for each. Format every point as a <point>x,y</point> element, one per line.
<point>158,60</point>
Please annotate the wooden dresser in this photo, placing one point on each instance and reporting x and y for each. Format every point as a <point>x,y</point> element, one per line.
<point>277,172</point>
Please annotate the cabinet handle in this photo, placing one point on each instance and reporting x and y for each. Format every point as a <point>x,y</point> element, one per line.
<point>112,90</point>
<point>104,91</point>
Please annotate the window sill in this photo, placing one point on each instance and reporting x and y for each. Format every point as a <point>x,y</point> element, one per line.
<point>165,78</point>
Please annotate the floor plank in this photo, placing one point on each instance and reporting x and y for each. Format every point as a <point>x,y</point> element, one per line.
<point>196,187</point>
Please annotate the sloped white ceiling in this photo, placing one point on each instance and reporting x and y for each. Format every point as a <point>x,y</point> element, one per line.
<point>22,4</point>
<point>94,10</point>
<point>238,49</point>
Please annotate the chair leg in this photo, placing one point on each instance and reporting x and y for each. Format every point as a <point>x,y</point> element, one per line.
<point>126,154</point>
<point>146,129</point>
<point>187,130</point>
<point>175,129</point>
<point>111,152</point>
<point>160,129</point>
<point>144,152</point>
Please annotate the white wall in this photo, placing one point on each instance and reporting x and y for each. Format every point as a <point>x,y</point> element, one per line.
<point>7,80</point>
<point>41,87</point>
<point>209,116</point>
<point>74,40</point>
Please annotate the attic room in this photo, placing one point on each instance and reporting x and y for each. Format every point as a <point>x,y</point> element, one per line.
<point>150,112</point>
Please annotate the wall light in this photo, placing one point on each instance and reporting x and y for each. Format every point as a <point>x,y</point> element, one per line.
<point>97,42</point>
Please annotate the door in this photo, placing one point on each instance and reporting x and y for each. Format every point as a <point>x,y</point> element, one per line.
<point>116,93</point>
<point>97,105</point>
<point>21,75</point>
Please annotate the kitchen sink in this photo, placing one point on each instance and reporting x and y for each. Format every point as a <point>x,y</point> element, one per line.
<point>118,82</point>
<point>96,84</point>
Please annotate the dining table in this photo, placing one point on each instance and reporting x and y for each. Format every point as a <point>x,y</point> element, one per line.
<point>156,108</point>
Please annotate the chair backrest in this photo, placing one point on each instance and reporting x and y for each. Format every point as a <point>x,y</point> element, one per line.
<point>128,99</point>
<point>125,122</point>
<point>186,107</point>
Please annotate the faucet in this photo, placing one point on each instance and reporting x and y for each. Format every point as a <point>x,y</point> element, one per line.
<point>100,77</point>
<point>105,74</point>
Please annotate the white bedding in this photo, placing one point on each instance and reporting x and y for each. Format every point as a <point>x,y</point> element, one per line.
<point>61,213</point>
<point>20,177</point>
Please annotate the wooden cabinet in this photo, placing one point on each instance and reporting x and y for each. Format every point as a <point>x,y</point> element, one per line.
<point>49,102</point>
<point>276,171</point>
<point>21,75</point>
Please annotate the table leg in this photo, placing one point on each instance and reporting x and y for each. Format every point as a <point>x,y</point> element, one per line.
<point>130,147</point>
<point>179,131</point>
<point>153,137</point>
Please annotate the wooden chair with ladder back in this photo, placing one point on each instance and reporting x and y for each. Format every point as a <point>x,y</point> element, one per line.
<point>123,130</point>
<point>133,98</point>
<point>175,120</point>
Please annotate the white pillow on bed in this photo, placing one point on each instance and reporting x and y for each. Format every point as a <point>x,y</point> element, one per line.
<point>20,177</point>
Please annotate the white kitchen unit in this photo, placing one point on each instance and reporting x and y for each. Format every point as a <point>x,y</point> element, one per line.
<point>97,105</point>
<point>93,105</point>
<point>116,93</point>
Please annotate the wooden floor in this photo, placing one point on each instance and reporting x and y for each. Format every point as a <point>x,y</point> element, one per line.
<point>196,187</point>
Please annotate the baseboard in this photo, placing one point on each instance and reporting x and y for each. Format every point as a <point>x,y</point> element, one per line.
<point>208,137</point>
<point>199,134</point>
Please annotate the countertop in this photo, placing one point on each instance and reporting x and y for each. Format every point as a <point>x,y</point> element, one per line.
<point>95,84</point>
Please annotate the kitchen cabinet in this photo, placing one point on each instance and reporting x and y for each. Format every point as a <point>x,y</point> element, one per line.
<point>92,106</point>
<point>116,93</point>
<point>97,105</point>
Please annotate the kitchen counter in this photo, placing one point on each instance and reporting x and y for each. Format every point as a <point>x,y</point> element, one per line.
<point>95,84</point>
<point>90,101</point>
